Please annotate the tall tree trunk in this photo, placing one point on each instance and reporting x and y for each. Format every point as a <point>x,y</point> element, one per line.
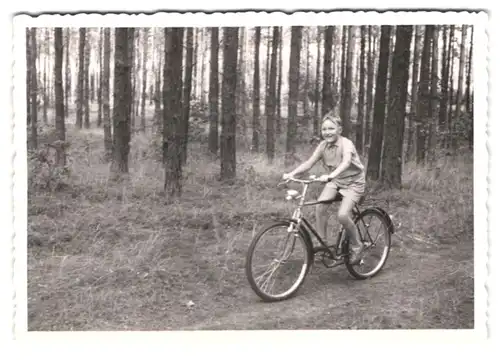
<point>280,79</point>
<point>293,95</point>
<point>67,73</point>
<point>377,137</point>
<point>86,82</point>
<point>317,83</point>
<point>468,81</point>
<point>271,99</point>
<point>99,89</point>
<point>433,110</point>
<point>458,108</point>
<point>443,103</point>
<point>268,58</point>
<point>172,111</point>
<point>186,98</point>
<point>347,88</point>
<point>213,136</point>
<point>45,84</point>
<point>131,94</point>
<point>369,87</point>
<point>451,71</point>
<point>203,68</point>
<point>158,123</point>
<point>195,62</point>
<point>34,90</point>
<point>256,92</point>
<point>121,100</point>
<point>106,118</point>
<point>228,136</point>
<point>361,95</point>
<point>424,97</point>
<point>327,100</point>
<point>144,78</point>
<point>469,93</point>
<point>59,97</point>
<point>393,145</point>
<point>411,144</point>
<point>28,77</point>
<point>305,100</point>
<point>241,100</point>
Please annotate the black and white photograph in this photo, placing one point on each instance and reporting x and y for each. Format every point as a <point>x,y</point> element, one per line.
<point>256,172</point>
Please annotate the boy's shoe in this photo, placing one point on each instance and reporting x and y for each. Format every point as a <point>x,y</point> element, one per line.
<point>355,256</point>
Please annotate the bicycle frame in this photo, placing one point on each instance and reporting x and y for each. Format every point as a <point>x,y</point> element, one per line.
<point>299,217</point>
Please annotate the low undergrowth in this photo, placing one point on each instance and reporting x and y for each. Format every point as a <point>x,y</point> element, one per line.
<point>106,256</point>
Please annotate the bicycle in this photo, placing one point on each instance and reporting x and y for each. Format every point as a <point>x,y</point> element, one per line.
<point>299,230</point>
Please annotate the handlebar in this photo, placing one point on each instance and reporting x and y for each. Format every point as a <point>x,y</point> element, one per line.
<point>313,179</point>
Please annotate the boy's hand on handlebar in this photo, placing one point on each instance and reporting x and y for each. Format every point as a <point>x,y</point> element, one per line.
<point>324,178</point>
<point>287,176</point>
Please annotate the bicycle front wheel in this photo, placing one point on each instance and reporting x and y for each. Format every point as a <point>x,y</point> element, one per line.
<point>278,260</point>
<point>374,231</point>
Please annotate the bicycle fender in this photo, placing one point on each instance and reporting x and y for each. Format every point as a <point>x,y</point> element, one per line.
<point>386,217</point>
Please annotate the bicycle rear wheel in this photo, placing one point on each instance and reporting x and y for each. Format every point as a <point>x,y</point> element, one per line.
<point>278,260</point>
<point>375,233</point>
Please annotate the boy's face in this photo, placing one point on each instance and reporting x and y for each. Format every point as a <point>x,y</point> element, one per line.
<point>330,130</point>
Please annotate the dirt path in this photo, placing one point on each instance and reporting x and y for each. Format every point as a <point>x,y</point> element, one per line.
<point>417,289</point>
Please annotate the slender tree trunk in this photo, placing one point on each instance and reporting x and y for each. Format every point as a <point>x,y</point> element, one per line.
<point>121,107</point>
<point>213,136</point>
<point>305,102</point>
<point>433,110</point>
<point>468,81</point>
<point>411,144</point>
<point>423,97</point>
<point>86,82</point>
<point>271,100</point>
<point>469,93</point>
<point>34,90</point>
<point>99,89</point>
<point>393,144</point>
<point>67,73</point>
<point>28,77</point>
<point>377,137</point>
<point>293,95</point>
<point>133,71</point>
<point>172,111</point>
<point>144,78</point>
<point>369,87</point>
<point>186,100</point>
<point>451,71</point>
<point>280,79</point>
<point>228,136</point>
<point>59,97</point>
<point>316,129</point>
<point>327,100</point>
<point>46,86</point>
<point>443,104</point>
<point>361,95</point>
<point>347,88</point>
<point>458,108</point>
<point>106,118</point>
<point>256,92</point>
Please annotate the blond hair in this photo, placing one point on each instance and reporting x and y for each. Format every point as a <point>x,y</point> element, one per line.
<point>330,116</point>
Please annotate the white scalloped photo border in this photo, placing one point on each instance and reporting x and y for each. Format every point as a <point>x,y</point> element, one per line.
<point>326,340</point>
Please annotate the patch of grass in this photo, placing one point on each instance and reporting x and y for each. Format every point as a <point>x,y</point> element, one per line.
<point>111,256</point>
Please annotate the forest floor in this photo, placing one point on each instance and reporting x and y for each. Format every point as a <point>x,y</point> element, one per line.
<point>108,256</point>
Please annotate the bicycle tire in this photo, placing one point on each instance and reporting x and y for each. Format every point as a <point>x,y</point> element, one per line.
<point>351,268</point>
<point>303,238</point>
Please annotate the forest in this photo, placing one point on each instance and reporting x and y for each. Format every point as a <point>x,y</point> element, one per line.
<point>154,155</point>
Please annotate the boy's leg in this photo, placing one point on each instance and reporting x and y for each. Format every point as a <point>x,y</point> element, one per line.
<point>329,192</point>
<point>345,218</point>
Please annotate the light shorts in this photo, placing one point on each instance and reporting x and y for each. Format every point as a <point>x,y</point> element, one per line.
<point>354,192</point>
